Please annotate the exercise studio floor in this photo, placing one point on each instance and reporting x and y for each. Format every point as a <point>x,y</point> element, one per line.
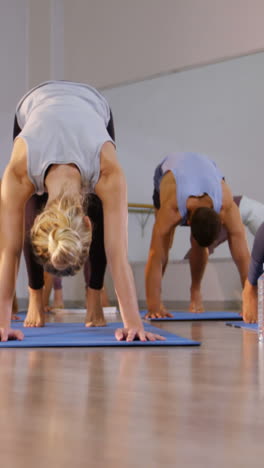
<point>137,407</point>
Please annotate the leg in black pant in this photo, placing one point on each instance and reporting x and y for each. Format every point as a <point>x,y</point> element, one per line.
<point>110,127</point>
<point>36,315</point>
<point>34,270</point>
<point>94,269</point>
<point>97,255</point>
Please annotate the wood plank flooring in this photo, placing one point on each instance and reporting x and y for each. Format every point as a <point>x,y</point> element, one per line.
<point>121,408</point>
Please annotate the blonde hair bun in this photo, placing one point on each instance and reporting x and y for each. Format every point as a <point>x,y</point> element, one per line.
<point>64,246</point>
<point>60,237</point>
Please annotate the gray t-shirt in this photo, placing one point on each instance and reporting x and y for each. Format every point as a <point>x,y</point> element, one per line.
<point>63,122</point>
<point>252,213</point>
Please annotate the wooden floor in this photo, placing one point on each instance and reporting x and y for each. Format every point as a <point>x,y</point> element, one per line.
<point>156,407</point>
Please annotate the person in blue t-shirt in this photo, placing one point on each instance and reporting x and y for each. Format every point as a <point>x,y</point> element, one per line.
<point>190,190</point>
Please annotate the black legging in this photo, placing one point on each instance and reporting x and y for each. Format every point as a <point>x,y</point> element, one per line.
<point>94,276</point>
<point>257,257</point>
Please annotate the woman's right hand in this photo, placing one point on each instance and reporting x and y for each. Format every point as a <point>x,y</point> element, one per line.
<point>7,334</point>
<point>136,334</point>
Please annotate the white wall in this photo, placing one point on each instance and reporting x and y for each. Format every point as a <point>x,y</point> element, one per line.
<point>14,81</point>
<point>14,77</point>
<point>216,109</point>
<point>220,283</point>
<point>110,42</point>
<point>39,43</point>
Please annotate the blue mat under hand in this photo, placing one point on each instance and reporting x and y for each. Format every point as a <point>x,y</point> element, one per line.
<point>189,316</point>
<point>77,335</point>
<point>247,326</point>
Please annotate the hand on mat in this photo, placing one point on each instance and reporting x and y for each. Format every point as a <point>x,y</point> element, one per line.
<point>9,334</point>
<point>250,303</point>
<point>196,304</point>
<point>160,314</point>
<point>132,334</point>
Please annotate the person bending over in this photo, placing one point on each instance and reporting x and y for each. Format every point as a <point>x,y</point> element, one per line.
<point>250,291</point>
<point>94,266</point>
<point>189,190</point>
<point>65,150</point>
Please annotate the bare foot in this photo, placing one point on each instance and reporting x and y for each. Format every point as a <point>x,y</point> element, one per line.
<point>160,314</point>
<point>49,309</point>
<point>58,300</point>
<point>164,312</point>
<point>94,311</point>
<point>96,322</point>
<point>196,304</point>
<point>57,305</point>
<point>35,315</point>
<point>250,303</point>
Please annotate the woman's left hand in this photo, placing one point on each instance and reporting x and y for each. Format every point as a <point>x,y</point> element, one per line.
<point>132,334</point>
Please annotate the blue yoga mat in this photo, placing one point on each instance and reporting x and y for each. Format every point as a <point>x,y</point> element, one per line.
<point>77,335</point>
<point>189,316</point>
<point>247,326</point>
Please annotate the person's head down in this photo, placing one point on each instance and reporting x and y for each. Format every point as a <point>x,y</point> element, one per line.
<point>61,237</point>
<point>205,226</point>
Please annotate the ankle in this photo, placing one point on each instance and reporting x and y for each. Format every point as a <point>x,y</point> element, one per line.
<point>35,292</point>
<point>58,296</point>
<point>250,287</point>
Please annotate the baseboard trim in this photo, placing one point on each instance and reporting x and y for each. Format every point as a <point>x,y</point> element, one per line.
<point>208,305</point>
<point>172,305</point>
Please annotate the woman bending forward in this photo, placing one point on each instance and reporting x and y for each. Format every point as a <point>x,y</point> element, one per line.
<point>65,150</point>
